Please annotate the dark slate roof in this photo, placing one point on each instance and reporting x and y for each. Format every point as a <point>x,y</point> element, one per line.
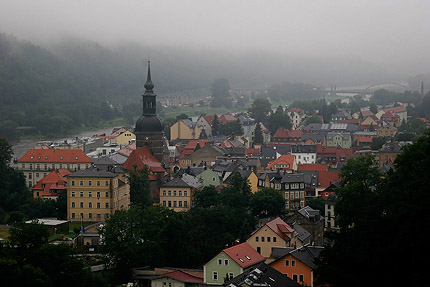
<point>185,180</point>
<point>97,172</point>
<point>293,177</point>
<point>278,252</point>
<point>302,233</point>
<point>243,173</point>
<point>311,214</point>
<point>262,275</point>
<point>105,160</point>
<point>387,167</point>
<point>236,151</point>
<point>191,170</point>
<point>307,254</point>
<point>311,178</point>
<point>224,166</point>
<point>393,147</point>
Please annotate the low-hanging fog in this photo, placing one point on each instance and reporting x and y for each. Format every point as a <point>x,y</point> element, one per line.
<point>321,42</point>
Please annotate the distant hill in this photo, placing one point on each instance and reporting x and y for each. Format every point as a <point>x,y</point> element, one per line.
<point>77,82</point>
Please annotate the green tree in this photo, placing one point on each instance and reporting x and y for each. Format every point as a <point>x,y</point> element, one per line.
<point>267,202</point>
<point>231,128</point>
<point>206,197</point>
<point>221,93</point>
<point>316,203</point>
<point>258,134</point>
<point>139,186</point>
<point>373,108</point>
<point>378,142</point>
<point>182,117</point>
<point>215,126</point>
<point>278,119</point>
<point>311,120</point>
<point>260,109</point>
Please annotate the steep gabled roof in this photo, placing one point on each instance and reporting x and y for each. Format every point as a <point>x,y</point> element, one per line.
<point>307,254</point>
<point>141,157</point>
<point>325,178</point>
<point>244,255</point>
<point>55,180</point>
<point>286,159</point>
<point>281,228</point>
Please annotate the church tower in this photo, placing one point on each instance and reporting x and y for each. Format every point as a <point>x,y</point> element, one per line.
<point>149,128</point>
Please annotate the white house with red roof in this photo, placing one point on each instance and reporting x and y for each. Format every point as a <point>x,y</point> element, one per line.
<point>286,162</point>
<point>177,278</point>
<point>37,163</point>
<point>297,116</point>
<point>230,262</point>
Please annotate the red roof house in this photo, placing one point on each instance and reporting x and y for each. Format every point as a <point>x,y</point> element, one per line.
<point>312,167</point>
<point>55,156</point>
<point>141,157</point>
<point>51,185</point>
<point>284,162</point>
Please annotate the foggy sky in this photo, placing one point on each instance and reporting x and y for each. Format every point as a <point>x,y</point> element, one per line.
<point>394,34</point>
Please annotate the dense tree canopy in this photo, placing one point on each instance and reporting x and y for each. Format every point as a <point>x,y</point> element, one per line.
<point>260,109</point>
<point>378,218</point>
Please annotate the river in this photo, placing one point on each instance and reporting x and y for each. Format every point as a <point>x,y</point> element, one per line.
<point>21,147</point>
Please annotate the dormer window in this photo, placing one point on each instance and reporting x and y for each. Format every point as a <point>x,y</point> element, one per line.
<point>32,157</point>
<point>46,157</point>
<point>61,157</point>
<point>76,158</point>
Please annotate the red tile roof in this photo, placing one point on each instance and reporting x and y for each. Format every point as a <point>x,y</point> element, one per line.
<point>281,228</point>
<point>312,167</point>
<point>141,157</point>
<point>55,180</point>
<point>395,110</point>
<point>288,159</point>
<point>325,178</point>
<point>252,151</point>
<point>182,276</point>
<point>244,255</point>
<point>193,144</point>
<point>338,151</point>
<point>298,110</point>
<point>283,133</point>
<point>223,119</point>
<point>126,151</point>
<point>55,155</point>
<point>210,119</point>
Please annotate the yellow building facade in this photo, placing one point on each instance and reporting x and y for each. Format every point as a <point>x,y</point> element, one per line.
<point>94,195</point>
<point>185,129</point>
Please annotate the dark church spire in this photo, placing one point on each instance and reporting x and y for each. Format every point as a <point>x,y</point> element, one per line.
<point>149,98</point>
<point>149,86</point>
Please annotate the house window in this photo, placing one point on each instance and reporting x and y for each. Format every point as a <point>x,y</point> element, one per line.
<point>180,203</point>
<point>37,174</point>
<point>73,205</point>
<point>82,215</point>
<point>106,183</point>
<point>164,193</point>
<point>293,263</point>
<point>295,277</point>
<point>215,276</point>
<point>230,275</point>
<point>286,195</point>
<point>30,175</point>
<point>268,238</point>
<point>90,215</point>
<point>185,193</point>
<point>262,238</point>
<point>219,262</point>
<point>81,205</point>
<point>274,239</point>
<point>164,203</point>
<point>98,204</point>
<point>90,205</point>
<point>297,194</point>
<point>256,238</point>
<point>185,203</point>
<point>98,182</point>
<point>81,183</point>
<point>90,194</point>
<point>301,278</point>
<point>107,205</point>
<point>259,250</point>
<point>174,203</point>
<point>302,194</point>
<point>73,194</point>
<point>107,194</point>
<point>81,194</point>
<point>73,215</point>
<point>98,194</point>
<point>302,203</point>
<point>169,204</point>
<point>174,193</point>
<point>73,183</point>
<point>287,262</point>
<point>226,262</point>
<point>180,192</point>
<point>170,193</point>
